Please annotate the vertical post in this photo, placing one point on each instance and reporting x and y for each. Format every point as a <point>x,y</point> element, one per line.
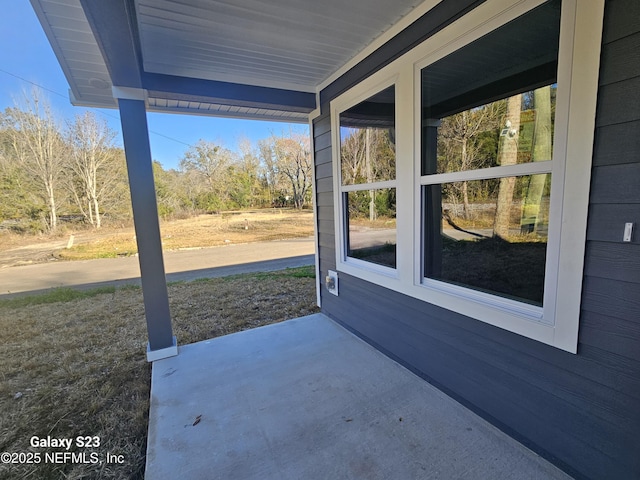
<point>133,116</point>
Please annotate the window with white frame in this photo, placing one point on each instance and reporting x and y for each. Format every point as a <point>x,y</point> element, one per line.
<point>498,110</point>
<point>488,114</point>
<point>368,179</point>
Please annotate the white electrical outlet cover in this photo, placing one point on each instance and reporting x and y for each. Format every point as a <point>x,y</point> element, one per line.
<point>628,231</point>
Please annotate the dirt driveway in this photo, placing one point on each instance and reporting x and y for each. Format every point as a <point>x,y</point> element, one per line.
<point>42,252</point>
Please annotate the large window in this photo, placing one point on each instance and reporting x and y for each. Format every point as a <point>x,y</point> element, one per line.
<point>465,183</point>
<point>487,134</point>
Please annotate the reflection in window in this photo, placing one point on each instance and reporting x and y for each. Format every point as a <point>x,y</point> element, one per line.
<point>367,140</point>
<point>371,222</point>
<point>496,244</point>
<point>517,129</point>
<point>367,155</point>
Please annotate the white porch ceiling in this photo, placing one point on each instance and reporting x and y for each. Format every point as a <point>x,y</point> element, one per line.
<point>292,45</point>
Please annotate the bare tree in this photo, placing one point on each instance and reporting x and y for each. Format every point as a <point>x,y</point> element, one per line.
<point>272,176</point>
<point>292,158</point>
<point>244,182</point>
<point>208,159</point>
<point>458,134</point>
<point>367,155</point>
<point>353,149</point>
<point>92,153</point>
<point>37,143</point>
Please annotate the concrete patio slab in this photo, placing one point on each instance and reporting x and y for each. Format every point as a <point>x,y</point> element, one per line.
<point>306,399</point>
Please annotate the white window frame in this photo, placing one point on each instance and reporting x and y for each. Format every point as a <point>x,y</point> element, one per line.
<point>556,322</point>
<point>368,89</point>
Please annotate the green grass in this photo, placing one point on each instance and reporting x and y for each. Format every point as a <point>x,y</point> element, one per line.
<point>63,294</point>
<point>308,271</point>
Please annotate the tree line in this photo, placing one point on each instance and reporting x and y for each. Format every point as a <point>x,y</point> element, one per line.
<point>52,170</point>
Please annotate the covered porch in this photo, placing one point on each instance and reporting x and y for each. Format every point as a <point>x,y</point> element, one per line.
<point>308,399</point>
<point>304,399</point>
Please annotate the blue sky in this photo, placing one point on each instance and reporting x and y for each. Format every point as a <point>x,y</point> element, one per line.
<point>26,53</point>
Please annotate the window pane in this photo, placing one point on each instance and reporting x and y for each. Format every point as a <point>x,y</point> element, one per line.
<point>371,221</point>
<point>489,235</point>
<point>515,130</point>
<point>493,102</point>
<point>367,140</point>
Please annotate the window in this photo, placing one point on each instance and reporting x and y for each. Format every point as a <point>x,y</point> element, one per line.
<point>368,172</point>
<point>483,202</point>
<point>488,113</point>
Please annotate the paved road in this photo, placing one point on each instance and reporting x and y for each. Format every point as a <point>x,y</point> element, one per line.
<point>181,265</point>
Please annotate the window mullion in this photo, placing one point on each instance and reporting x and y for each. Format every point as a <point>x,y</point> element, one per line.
<point>531,168</point>
<point>368,186</point>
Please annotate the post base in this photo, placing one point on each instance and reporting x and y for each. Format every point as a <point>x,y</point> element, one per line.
<point>153,355</point>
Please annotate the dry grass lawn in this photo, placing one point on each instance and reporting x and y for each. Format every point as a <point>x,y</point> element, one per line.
<point>73,363</point>
<point>112,241</point>
<point>202,231</point>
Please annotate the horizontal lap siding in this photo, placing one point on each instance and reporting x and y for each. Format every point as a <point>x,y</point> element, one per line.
<point>610,321</point>
<point>324,189</point>
<point>580,411</point>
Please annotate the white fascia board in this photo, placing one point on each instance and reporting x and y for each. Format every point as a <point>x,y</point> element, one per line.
<point>317,112</point>
<point>90,104</point>
<point>39,10</point>
<point>129,93</point>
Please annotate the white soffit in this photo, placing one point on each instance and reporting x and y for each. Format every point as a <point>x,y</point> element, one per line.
<point>162,105</point>
<point>290,44</point>
<point>72,40</point>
